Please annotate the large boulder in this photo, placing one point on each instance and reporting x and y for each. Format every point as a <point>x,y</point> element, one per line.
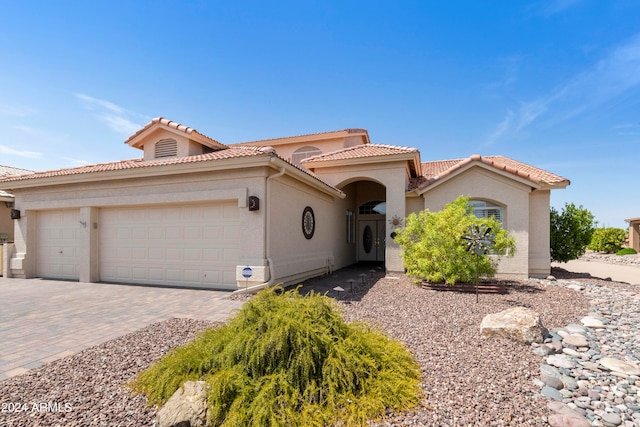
<point>519,324</point>
<point>187,407</point>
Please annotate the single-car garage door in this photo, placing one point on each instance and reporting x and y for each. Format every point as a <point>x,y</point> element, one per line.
<point>58,244</point>
<point>186,245</point>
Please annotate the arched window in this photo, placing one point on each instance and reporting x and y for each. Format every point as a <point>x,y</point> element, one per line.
<point>483,209</point>
<point>302,153</point>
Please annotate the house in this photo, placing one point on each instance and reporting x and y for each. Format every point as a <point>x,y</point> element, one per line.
<point>6,204</point>
<point>634,233</point>
<point>195,212</point>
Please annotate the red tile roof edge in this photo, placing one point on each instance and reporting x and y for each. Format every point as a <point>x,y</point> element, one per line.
<point>174,125</point>
<point>494,162</point>
<point>319,157</point>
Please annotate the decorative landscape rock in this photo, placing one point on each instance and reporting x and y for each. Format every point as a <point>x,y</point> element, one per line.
<point>575,340</point>
<point>520,324</point>
<point>563,416</point>
<point>616,365</point>
<point>187,406</point>
<point>598,362</point>
<point>592,322</point>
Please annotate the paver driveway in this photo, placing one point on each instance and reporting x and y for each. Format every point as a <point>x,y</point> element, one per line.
<point>45,320</point>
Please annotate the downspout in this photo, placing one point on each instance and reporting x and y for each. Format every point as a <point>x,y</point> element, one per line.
<point>266,236</point>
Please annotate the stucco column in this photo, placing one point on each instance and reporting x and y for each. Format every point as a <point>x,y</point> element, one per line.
<point>88,262</point>
<point>396,207</point>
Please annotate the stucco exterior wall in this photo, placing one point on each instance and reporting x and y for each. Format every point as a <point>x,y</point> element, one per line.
<point>292,256</point>
<point>414,205</point>
<point>539,233</point>
<point>234,185</point>
<point>512,196</point>
<point>6,223</point>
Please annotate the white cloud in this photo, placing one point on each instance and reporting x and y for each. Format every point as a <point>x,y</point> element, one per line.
<point>20,153</point>
<point>613,76</point>
<point>116,117</point>
<point>502,128</point>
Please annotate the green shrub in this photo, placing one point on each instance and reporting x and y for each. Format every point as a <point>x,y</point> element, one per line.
<point>626,251</point>
<point>290,360</point>
<point>571,232</point>
<point>433,249</point>
<point>608,240</point>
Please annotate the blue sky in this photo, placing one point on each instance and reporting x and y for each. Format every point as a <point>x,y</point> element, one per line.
<point>555,84</point>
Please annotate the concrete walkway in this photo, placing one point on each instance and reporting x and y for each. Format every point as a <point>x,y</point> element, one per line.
<point>45,320</point>
<point>618,273</point>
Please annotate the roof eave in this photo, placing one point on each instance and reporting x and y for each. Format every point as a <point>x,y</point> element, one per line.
<point>312,180</point>
<point>142,172</point>
<point>136,140</point>
<point>465,166</point>
<point>385,158</point>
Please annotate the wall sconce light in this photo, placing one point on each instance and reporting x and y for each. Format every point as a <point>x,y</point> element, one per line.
<point>15,214</point>
<point>254,203</point>
<point>8,204</point>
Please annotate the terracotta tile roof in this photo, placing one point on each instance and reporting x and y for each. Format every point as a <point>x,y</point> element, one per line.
<point>361,151</point>
<point>173,125</point>
<point>228,153</point>
<point>318,134</point>
<point>433,171</point>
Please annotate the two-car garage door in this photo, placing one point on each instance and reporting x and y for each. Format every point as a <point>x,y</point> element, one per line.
<point>187,245</point>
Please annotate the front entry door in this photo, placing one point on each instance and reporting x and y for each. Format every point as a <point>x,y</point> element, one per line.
<point>371,240</point>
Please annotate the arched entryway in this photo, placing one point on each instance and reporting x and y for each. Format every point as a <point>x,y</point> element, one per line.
<point>366,201</point>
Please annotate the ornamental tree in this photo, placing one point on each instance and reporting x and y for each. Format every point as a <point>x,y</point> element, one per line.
<point>571,232</point>
<point>433,248</point>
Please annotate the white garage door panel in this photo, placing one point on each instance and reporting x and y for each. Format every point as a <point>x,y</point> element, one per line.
<point>194,245</point>
<point>58,244</point>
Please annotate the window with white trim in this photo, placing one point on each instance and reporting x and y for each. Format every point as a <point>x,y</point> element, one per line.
<point>483,209</point>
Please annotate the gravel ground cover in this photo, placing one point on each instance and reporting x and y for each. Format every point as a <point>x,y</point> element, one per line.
<point>467,380</point>
<point>87,389</point>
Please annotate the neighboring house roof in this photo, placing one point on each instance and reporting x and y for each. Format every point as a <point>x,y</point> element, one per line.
<point>311,137</point>
<point>435,171</point>
<point>137,138</point>
<point>8,170</point>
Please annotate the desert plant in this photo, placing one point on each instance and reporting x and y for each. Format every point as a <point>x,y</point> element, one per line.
<point>571,231</point>
<point>285,359</point>
<point>608,240</point>
<point>432,249</point>
<point>626,251</point>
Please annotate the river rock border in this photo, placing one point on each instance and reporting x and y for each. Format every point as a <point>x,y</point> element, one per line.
<point>591,372</point>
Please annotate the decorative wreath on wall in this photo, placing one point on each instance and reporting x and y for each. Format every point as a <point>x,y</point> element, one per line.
<point>308,222</point>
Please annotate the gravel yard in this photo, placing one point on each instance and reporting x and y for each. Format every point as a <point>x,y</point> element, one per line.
<point>467,380</point>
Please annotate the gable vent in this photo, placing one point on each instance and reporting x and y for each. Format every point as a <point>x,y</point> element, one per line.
<point>166,148</point>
